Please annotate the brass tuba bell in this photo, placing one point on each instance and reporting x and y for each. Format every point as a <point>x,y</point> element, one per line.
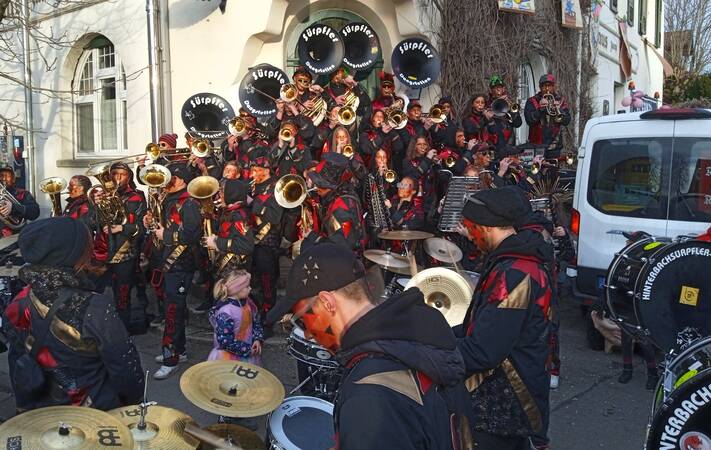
<point>155,176</point>
<point>53,186</point>
<point>290,191</point>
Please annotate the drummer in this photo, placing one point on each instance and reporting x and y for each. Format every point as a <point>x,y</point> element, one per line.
<point>87,358</point>
<point>389,395</point>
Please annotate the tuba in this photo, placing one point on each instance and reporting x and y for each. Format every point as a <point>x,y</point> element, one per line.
<point>204,188</point>
<point>110,210</point>
<point>260,88</point>
<point>12,223</point>
<point>320,49</point>
<point>416,63</point>
<point>156,177</point>
<point>52,186</point>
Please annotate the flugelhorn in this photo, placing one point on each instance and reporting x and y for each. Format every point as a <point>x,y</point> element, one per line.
<point>53,186</point>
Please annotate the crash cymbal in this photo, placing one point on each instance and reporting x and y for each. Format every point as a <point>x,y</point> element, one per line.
<point>164,427</point>
<point>442,250</point>
<point>65,427</point>
<point>245,438</point>
<point>445,290</point>
<point>386,259</point>
<point>404,235</point>
<point>402,270</point>
<point>232,388</point>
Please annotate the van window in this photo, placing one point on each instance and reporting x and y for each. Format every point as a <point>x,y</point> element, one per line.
<point>630,176</point>
<point>690,198</point>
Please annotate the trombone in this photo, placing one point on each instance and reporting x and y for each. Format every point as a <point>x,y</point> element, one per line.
<point>436,114</point>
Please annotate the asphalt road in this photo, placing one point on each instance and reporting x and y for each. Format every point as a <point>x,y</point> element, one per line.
<point>589,410</point>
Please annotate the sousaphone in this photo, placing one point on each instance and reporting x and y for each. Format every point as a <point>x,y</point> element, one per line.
<point>260,88</point>
<point>416,63</point>
<point>320,49</point>
<point>362,46</point>
<point>207,115</point>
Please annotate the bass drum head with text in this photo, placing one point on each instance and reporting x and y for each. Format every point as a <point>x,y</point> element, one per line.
<point>683,421</point>
<point>673,292</point>
<point>302,423</point>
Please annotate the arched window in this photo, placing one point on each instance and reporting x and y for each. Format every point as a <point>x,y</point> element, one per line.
<point>526,89</point>
<point>336,19</point>
<point>99,98</point>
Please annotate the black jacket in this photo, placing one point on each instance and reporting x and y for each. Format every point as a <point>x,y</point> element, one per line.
<point>504,338</point>
<point>398,357</point>
<point>183,230</point>
<point>87,357</point>
<point>26,207</point>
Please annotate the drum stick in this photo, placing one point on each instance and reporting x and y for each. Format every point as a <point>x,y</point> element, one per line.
<point>413,262</point>
<point>210,438</point>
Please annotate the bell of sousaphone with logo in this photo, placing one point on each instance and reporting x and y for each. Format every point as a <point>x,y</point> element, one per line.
<point>207,115</point>
<point>259,89</point>
<point>362,46</point>
<point>320,49</point>
<point>416,63</point>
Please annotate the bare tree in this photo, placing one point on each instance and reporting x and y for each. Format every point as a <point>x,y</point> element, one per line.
<point>688,36</point>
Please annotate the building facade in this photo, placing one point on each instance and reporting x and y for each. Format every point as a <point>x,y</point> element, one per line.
<point>93,101</point>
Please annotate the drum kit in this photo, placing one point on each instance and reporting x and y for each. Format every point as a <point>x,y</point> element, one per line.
<point>657,289</point>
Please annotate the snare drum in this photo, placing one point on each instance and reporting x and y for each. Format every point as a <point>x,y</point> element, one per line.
<point>402,282</point>
<point>302,423</point>
<point>681,416</point>
<point>657,288</point>
<point>309,351</point>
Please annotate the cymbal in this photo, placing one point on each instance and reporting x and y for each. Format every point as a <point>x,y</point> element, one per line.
<point>65,427</point>
<point>386,259</point>
<point>442,250</point>
<point>164,427</point>
<point>444,290</point>
<point>245,438</point>
<point>404,235</point>
<point>232,388</point>
<point>402,270</point>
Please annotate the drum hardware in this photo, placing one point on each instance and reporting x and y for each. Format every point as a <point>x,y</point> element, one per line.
<point>444,290</point>
<point>204,188</point>
<point>234,435</point>
<point>232,388</point>
<point>314,417</point>
<point>416,63</point>
<point>454,200</point>
<point>53,186</point>
<point>65,427</point>
<point>210,438</point>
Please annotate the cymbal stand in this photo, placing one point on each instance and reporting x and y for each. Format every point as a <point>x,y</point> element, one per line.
<point>143,406</point>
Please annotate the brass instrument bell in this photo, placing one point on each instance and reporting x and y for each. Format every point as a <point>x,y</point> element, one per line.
<point>201,148</point>
<point>436,114</point>
<point>290,191</point>
<point>153,151</point>
<point>155,176</point>
<point>569,158</point>
<point>53,186</point>
<point>450,161</point>
<point>286,133</point>
<point>396,117</point>
<point>346,115</point>
<point>348,151</point>
<point>237,126</point>
<point>288,92</point>
<point>390,176</point>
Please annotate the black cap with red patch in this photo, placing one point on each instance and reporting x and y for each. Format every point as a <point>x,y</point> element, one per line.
<point>259,157</point>
<point>330,171</point>
<point>321,267</point>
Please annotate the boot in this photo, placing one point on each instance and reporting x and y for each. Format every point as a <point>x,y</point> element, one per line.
<point>625,376</point>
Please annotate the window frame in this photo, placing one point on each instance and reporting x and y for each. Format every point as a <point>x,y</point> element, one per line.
<point>613,6</point>
<point>630,12</point>
<point>642,22</point>
<point>94,97</point>
<point>658,17</point>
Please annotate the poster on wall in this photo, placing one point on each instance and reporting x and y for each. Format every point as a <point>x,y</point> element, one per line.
<point>518,6</point>
<point>572,16</point>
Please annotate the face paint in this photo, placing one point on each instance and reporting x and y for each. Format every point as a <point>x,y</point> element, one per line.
<point>316,324</point>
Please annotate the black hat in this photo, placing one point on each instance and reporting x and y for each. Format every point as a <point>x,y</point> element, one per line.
<point>509,150</point>
<point>321,267</point>
<point>546,78</point>
<point>413,104</point>
<point>235,191</point>
<point>502,207</point>
<point>446,99</point>
<point>7,168</point>
<point>259,156</point>
<point>328,173</point>
<point>120,165</point>
<point>182,171</point>
<point>57,242</point>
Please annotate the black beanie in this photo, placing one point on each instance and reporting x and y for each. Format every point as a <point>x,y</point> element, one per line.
<point>181,171</point>
<point>58,241</point>
<point>235,191</point>
<point>502,207</point>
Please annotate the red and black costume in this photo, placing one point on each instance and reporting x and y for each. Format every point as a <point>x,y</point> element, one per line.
<point>26,208</point>
<point>290,158</point>
<point>543,129</point>
<point>182,224</point>
<point>235,239</point>
<point>474,126</point>
<point>80,209</point>
<point>373,139</point>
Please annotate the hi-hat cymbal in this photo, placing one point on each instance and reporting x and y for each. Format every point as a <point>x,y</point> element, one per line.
<point>442,250</point>
<point>232,388</point>
<point>404,235</point>
<point>386,259</point>
<point>245,438</point>
<point>445,290</point>
<point>164,427</point>
<point>65,427</point>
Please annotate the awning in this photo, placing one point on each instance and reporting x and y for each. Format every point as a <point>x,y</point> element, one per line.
<point>668,69</point>
<point>625,59</point>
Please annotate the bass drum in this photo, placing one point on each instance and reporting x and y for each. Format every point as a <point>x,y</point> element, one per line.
<point>657,289</point>
<point>681,416</point>
<point>302,423</point>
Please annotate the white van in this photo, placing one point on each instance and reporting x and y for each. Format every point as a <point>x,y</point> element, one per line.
<point>646,171</point>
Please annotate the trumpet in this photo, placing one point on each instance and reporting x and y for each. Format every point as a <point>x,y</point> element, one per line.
<point>503,108</point>
<point>238,126</point>
<point>348,151</point>
<point>286,134</point>
<point>436,114</point>
<point>390,176</point>
<point>53,186</point>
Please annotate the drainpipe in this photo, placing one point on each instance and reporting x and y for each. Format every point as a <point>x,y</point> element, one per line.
<point>154,68</point>
<point>165,67</point>
<point>29,117</point>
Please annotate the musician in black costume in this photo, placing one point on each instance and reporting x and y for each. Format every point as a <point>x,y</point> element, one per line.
<point>500,129</point>
<point>26,207</point>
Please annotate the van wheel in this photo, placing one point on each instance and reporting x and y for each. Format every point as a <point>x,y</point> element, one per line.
<point>594,338</point>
